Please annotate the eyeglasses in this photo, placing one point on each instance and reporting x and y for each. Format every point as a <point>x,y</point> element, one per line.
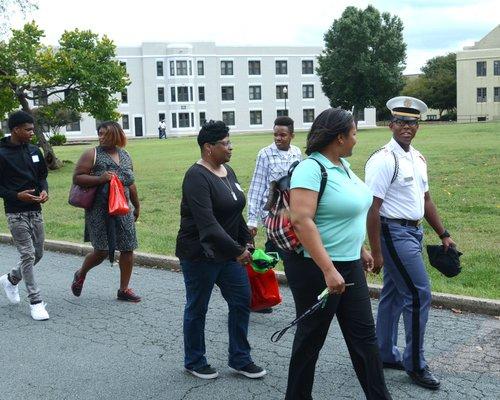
<point>225,144</point>
<point>400,122</point>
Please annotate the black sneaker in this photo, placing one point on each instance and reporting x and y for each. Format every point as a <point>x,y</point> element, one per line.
<point>251,371</point>
<point>205,372</point>
<point>424,378</point>
<point>394,365</point>
<point>264,311</point>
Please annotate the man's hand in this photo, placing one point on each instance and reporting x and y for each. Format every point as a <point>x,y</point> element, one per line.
<point>44,196</point>
<point>253,230</point>
<point>27,197</point>
<point>378,262</point>
<point>447,242</point>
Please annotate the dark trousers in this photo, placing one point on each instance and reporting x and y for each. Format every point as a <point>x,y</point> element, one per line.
<point>232,279</point>
<point>355,318</point>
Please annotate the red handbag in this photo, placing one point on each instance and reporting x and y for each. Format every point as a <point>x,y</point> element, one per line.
<point>117,201</point>
<point>265,289</point>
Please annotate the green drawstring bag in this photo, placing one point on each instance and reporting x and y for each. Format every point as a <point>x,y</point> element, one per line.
<point>262,261</point>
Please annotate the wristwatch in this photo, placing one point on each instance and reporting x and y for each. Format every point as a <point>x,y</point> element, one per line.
<point>445,234</point>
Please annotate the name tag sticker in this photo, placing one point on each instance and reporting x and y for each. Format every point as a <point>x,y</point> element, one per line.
<point>35,158</point>
<point>408,178</point>
<point>238,187</point>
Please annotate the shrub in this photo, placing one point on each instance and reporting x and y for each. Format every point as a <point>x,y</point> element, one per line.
<point>57,140</point>
<point>1,134</point>
<point>450,116</point>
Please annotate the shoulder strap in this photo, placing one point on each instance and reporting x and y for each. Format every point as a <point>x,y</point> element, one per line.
<point>324,177</point>
<point>396,162</point>
<point>95,156</point>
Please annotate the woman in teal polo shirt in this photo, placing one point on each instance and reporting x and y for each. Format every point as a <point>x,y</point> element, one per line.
<point>332,254</point>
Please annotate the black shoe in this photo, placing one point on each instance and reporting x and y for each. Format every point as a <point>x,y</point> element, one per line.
<point>205,372</point>
<point>264,311</point>
<point>394,365</point>
<point>424,378</point>
<point>251,371</point>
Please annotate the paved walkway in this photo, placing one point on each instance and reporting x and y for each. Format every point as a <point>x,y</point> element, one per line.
<point>95,347</point>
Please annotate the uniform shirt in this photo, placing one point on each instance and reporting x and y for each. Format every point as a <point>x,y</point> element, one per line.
<point>271,165</point>
<point>341,213</point>
<point>404,198</point>
<point>212,225</point>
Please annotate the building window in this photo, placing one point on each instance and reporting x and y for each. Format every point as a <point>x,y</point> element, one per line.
<point>255,93</point>
<point>432,117</point>
<point>256,117</point>
<point>481,95</point>
<point>203,118</point>
<point>308,91</point>
<point>281,93</point>
<point>281,67</point>
<point>308,115</point>
<point>201,93</point>
<point>172,94</point>
<point>254,68</point>
<point>181,70</point>
<point>307,67</point>
<point>174,120</point>
<point>125,122</point>
<point>41,97</point>
<point>184,120</point>
<point>228,117</point>
<point>190,67</point>
<point>201,68</point>
<point>124,65</point>
<point>75,127</point>
<point>161,117</point>
<point>227,93</point>
<point>496,93</point>
<point>172,68</point>
<point>226,68</point>
<point>182,94</point>
<point>481,68</point>
<point>161,95</point>
<point>282,113</point>
<point>159,68</point>
<point>124,95</point>
<point>496,67</point>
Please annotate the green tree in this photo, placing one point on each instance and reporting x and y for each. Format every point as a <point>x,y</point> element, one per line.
<point>416,86</point>
<point>52,117</point>
<point>363,59</point>
<point>81,73</point>
<point>440,75</point>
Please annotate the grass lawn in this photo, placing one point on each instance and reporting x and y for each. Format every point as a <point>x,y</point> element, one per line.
<point>463,172</point>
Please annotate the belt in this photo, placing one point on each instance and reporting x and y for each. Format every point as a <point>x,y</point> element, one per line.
<point>402,222</point>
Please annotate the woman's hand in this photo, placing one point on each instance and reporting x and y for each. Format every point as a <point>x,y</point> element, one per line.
<point>136,214</point>
<point>105,177</point>
<point>367,260</point>
<point>335,282</point>
<point>244,258</point>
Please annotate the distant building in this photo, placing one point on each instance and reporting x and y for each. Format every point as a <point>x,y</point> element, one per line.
<point>186,84</point>
<point>478,80</point>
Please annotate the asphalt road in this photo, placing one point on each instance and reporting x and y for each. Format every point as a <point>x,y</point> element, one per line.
<point>95,347</point>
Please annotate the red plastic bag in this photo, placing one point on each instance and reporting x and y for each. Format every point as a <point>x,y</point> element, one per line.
<point>265,289</point>
<point>117,201</point>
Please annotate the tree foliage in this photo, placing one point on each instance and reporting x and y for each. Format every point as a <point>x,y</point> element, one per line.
<point>437,85</point>
<point>52,117</point>
<point>80,73</point>
<point>9,8</point>
<point>363,59</point>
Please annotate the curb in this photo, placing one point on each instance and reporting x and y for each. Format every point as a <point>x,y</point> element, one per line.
<point>444,300</point>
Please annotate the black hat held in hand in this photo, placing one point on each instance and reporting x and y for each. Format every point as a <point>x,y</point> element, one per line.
<point>448,263</point>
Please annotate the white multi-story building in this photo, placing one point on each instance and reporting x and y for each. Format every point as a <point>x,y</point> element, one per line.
<point>186,84</point>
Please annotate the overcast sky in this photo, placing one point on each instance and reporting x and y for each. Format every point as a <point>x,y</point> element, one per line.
<point>431,27</point>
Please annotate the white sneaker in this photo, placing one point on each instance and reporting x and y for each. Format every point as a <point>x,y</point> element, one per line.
<point>11,291</point>
<point>38,311</point>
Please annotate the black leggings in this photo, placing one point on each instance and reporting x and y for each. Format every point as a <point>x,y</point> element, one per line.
<point>355,318</point>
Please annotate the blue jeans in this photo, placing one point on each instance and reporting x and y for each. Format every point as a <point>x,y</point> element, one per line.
<point>199,279</point>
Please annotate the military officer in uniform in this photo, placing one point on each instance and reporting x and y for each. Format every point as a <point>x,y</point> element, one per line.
<point>397,175</point>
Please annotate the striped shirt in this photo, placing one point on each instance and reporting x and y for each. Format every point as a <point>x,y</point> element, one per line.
<point>271,165</point>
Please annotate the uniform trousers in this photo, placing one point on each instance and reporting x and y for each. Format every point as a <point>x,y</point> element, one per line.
<point>354,314</point>
<point>406,291</point>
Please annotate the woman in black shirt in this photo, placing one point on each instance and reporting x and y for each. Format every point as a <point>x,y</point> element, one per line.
<point>211,246</point>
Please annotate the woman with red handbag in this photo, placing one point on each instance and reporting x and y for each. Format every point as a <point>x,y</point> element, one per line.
<point>98,167</point>
<point>212,248</point>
